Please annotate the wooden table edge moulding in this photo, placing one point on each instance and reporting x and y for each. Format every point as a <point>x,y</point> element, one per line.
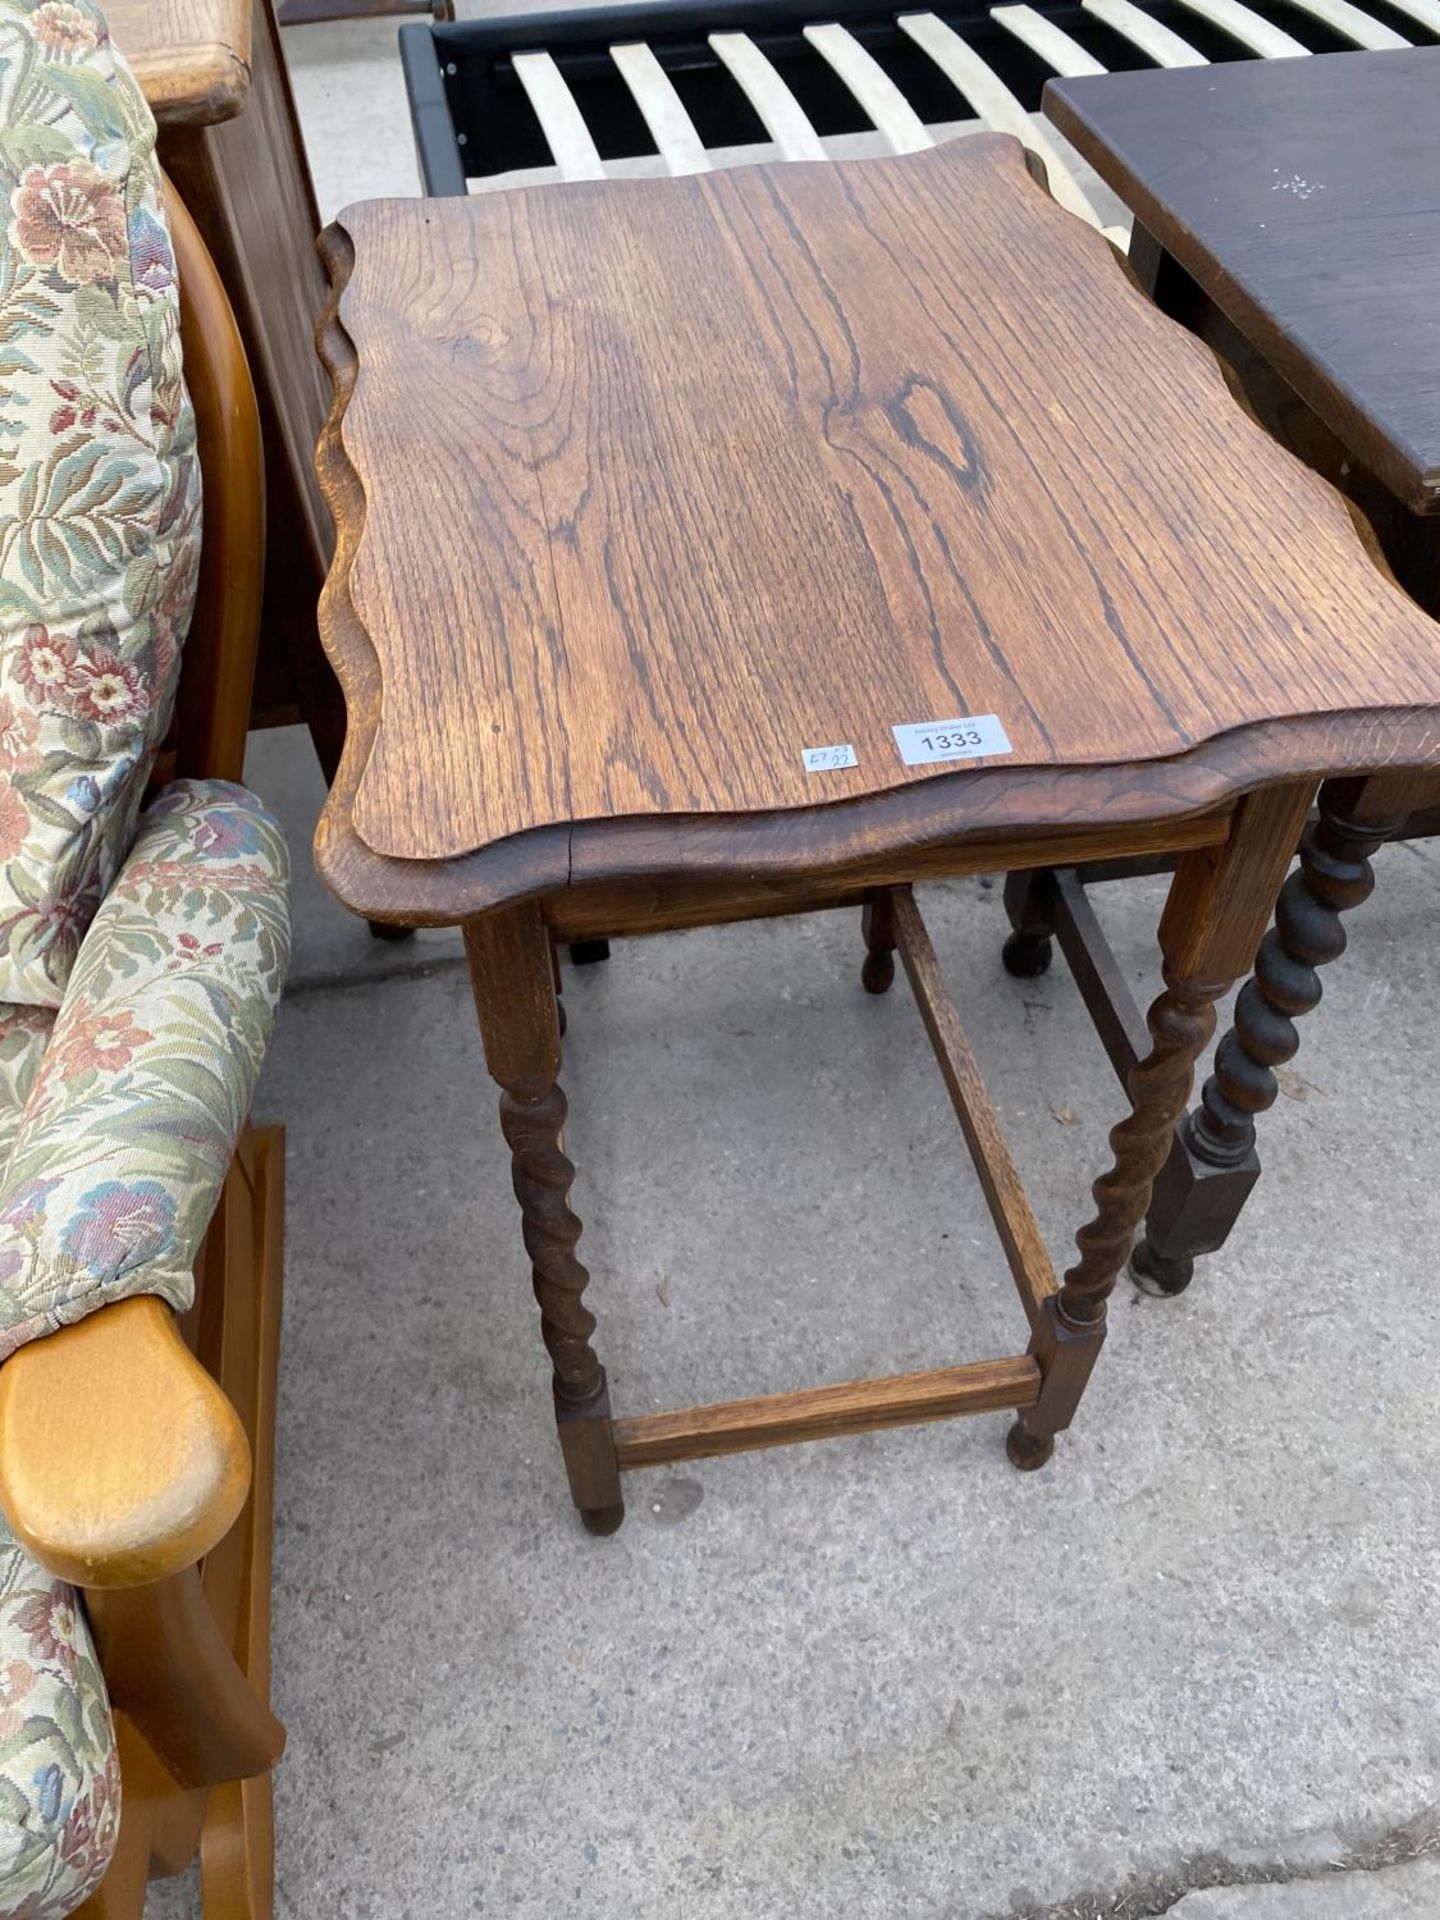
<point>1231,804</point>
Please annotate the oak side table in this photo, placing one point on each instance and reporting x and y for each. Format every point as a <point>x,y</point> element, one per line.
<point>771,540</point>
<point>1287,214</point>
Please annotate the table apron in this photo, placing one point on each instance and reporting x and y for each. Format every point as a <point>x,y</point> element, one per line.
<point>601,909</point>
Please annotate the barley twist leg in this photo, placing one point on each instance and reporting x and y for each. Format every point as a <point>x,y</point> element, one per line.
<point>1213,1166</point>
<point>1181,1022</point>
<point>512,974</point>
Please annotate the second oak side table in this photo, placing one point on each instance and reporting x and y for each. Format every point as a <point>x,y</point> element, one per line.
<point>1287,215</point>
<point>771,540</point>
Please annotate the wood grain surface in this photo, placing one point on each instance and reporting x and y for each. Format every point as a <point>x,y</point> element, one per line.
<point>248,186</point>
<point>1301,197</point>
<point>213,709</point>
<point>1000,1181</point>
<point>663,482</point>
<point>150,1480</point>
<point>191,57</point>
<point>825,1413</point>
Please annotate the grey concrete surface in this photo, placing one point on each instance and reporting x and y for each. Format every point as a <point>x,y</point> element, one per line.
<point>350,95</point>
<point>1408,1892</point>
<point>331,946</point>
<point>885,1677</point>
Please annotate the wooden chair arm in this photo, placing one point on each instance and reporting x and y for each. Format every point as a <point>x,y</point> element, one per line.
<point>191,57</point>
<point>121,1461</point>
<point>169,1669</point>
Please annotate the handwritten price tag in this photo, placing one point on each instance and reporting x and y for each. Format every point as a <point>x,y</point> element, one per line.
<point>828,759</point>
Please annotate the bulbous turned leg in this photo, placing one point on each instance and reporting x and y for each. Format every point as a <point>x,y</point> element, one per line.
<point>877,924</point>
<point>1068,1341</point>
<point>1028,1451</point>
<point>1161,1275</point>
<point>1029,898</point>
<point>1213,1165</point>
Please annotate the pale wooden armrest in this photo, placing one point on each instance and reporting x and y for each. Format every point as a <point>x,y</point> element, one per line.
<point>191,57</point>
<point>121,1461</point>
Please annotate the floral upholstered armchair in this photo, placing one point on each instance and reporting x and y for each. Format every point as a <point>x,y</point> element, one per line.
<point>144,935</point>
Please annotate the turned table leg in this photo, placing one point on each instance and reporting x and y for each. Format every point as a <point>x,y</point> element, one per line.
<point>588,953</point>
<point>877,926</point>
<point>1212,1165</point>
<point>558,977</point>
<point>512,975</point>
<point>1030,904</point>
<point>1219,902</point>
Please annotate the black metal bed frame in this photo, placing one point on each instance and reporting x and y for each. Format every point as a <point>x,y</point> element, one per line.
<point>472,119</point>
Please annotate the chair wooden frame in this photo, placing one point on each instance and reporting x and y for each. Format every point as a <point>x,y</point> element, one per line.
<point>159,1503</point>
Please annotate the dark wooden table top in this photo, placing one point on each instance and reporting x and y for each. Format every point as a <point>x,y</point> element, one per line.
<point>1303,196</point>
<point>646,487</point>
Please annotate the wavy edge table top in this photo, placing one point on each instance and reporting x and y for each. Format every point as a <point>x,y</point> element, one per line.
<point>910,810</point>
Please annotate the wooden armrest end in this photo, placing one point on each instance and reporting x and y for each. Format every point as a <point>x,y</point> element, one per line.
<point>121,1461</point>
<point>191,57</point>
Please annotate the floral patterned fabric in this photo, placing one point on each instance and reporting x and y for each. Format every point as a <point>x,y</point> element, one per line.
<point>99,480</point>
<point>24,1035</point>
<point>59,1776</point>
<point>131,1121</point>
<point>59,1772</point>
<point>119,1115</point>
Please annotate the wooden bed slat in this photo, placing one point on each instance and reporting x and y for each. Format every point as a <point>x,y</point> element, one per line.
<point>1164,46</point>
<point>653,92</point>
<point>561,121</point>
<point>1051,43</point>
<point>877,93</point>
<point>780,112</point>
<point>994,102</point>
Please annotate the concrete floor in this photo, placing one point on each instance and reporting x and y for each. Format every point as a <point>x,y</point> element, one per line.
<point>887,1677</point>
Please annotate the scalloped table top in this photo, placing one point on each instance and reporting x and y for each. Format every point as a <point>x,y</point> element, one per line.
<point>649,486</point>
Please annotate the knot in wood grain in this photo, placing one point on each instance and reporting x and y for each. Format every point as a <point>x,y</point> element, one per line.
<point>928,420</point>
<point>717,468</point>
